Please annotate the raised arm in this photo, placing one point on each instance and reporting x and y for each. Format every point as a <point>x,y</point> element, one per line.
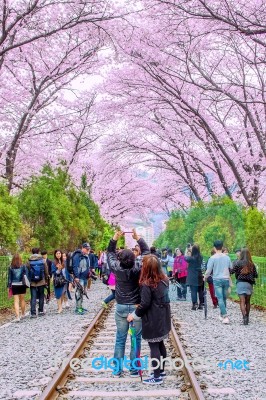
<point>112,260</point>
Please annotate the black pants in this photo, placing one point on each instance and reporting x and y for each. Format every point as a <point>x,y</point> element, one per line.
<point>158,350</point>
<point>195,292</point>
<point>182,292</point>
<point>36,292</point>
<point>48,289</point>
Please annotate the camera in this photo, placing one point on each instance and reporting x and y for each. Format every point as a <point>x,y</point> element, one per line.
<point>93,276</point>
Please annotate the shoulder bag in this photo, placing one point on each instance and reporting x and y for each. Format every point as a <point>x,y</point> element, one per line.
<point>59,280</point>
<point>25,279</point>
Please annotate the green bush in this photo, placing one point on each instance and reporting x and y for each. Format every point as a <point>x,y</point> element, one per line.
<point>53,209</point>
<point>221,218</point>
<point>10,223</point>
<point>255,230</point>
<point>218,228</point>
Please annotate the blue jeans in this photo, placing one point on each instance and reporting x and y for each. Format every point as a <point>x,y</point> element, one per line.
<point>110,297</point>
<point>121,313</point>
<point>182,292</point>
<point>36,292</point>
<point>221,287</point>
<point>78,293</point>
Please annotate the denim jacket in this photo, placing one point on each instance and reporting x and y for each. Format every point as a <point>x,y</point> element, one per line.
<point>81,272</point>
<point>15,275</point>
<point>64,271</point>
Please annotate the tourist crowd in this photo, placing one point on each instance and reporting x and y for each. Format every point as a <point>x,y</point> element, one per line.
<point>139,282</point>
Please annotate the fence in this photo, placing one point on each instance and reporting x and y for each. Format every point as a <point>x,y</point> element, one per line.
<point>259,294</point>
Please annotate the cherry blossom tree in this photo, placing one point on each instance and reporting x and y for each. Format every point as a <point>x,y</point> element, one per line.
<point>178,116</point>
<point>45,47</point>
<point>23,22</point>
<point>204,84</point>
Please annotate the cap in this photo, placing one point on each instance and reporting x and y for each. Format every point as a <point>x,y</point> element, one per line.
<point>86,246</point>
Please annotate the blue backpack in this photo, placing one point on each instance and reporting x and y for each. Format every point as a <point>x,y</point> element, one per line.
<point>36,270</point>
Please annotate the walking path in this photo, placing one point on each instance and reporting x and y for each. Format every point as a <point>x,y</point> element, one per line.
<point>32,349</point>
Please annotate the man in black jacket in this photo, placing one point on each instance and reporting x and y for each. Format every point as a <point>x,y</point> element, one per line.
<point>127,295</point>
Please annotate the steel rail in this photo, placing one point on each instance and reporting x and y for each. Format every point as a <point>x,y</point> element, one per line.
<point>195,392</point>
<point>61,377</point>
<point>52,391</point>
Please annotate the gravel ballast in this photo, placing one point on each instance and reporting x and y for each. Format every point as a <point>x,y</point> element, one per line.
<point>214,342</point>
<point>33,349</point>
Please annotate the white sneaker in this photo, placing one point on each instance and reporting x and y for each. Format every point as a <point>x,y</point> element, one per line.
<point>15,320</point>
<point>226,320</point>
<point>221,318</point>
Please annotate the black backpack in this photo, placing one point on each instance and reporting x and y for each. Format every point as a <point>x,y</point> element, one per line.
<point>69,261</point>
<point>105,274</point>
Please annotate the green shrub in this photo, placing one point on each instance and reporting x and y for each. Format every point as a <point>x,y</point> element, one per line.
<point>10,223</point>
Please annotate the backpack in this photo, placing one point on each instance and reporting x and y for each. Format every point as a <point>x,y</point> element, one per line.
<point>36,270</point>
<point>105,279</point>
<point>69,261</point>
<point>106,274</point>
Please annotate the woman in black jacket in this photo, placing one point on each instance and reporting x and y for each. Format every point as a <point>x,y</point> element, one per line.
<point>245,273</point>
<point>127,295</point>
<point>154,310</point>
<point>195,276</point>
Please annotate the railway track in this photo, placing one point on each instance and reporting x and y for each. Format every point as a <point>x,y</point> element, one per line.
<point>76,379</point>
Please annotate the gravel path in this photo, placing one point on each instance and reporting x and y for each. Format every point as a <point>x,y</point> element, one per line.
<point>213,342</point>
<point>32,349</point>
<point>6,315</point>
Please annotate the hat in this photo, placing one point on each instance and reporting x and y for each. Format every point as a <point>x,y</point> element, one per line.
<point>86,246</point>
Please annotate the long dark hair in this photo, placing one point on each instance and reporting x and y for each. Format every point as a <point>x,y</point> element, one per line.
<point>245,258</point>
<point>57,261</point>
<point>16,261</point>
<point>195,252</point>
<point>151,272</point>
